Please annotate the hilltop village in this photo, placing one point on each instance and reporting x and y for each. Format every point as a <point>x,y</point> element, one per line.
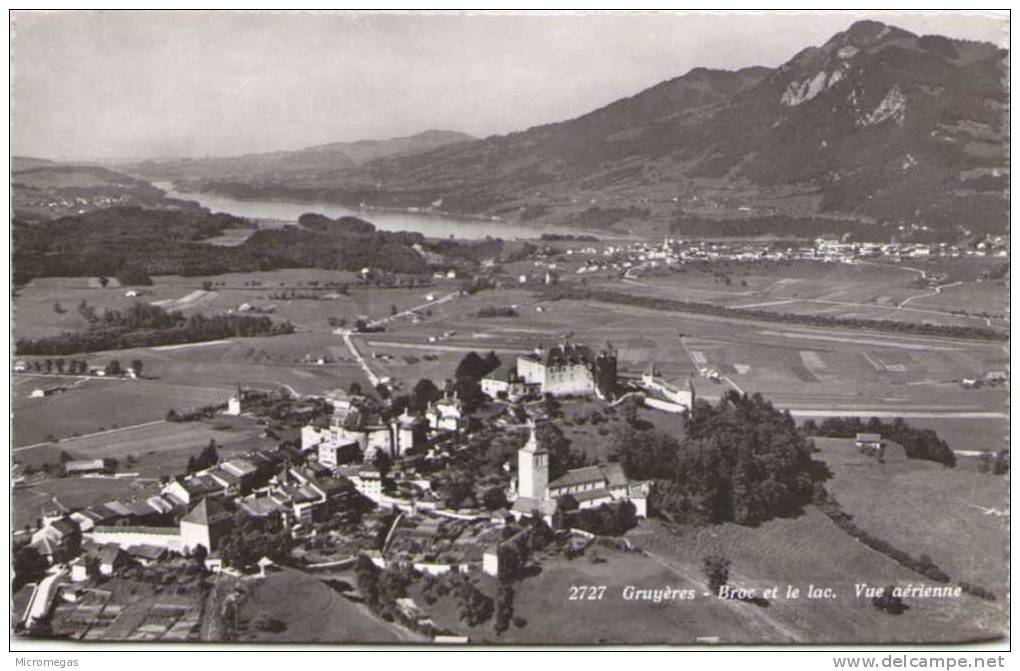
<point>368,478</point>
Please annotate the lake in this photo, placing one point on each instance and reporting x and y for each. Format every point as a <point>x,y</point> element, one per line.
<point>430,225</point>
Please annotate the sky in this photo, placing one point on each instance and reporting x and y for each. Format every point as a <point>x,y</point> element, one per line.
<point>125,85</point>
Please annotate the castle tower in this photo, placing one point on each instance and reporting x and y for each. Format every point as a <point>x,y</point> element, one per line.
<point>532,468</point>
<point>604,371</point>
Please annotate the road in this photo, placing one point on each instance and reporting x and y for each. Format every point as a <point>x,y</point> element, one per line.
<point>362,362</point>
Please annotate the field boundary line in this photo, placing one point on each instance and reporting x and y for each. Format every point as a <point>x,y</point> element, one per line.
<point>89,435</point>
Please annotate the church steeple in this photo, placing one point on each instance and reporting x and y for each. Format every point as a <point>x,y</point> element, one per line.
<point>532,468</point>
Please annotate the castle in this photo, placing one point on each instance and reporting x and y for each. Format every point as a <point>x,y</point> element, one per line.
<point>590,486</point>
<point>570,369</point>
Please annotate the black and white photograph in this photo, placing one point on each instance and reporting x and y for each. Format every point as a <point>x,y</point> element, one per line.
<point>509,329</point>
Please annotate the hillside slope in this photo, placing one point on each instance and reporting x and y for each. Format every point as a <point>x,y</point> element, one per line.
<point>876,125</point>
<point>300,164</point>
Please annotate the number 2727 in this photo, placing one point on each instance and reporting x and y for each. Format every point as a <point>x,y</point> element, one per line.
<point>587,592</point>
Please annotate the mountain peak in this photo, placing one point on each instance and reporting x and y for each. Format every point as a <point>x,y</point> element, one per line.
<point>866,33</point>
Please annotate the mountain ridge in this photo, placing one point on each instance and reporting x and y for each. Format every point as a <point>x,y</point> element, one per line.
<point>876,125</point>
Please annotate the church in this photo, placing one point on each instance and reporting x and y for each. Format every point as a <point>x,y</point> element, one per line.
<point>590,486</point>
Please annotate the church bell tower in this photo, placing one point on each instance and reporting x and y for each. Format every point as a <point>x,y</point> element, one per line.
<point>532,468</point>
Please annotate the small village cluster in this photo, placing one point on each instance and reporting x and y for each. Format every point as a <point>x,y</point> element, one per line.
<point>828,248</point>
<point>355,465</point>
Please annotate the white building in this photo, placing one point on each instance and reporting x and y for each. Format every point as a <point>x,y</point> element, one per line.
<point>235,404</point>
<point>446,414</point>
<point>570,370</point>
<point>652,381</point>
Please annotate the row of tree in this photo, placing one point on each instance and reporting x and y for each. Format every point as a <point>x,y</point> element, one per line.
<point>127,334</point>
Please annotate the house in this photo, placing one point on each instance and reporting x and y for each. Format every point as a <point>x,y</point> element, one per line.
<point>83,467</point>
<point>193,489</point>
<point>570,369</point>
<point>230,483</point>
<point>504,382</point>
<point>146,554</point>
<point>205,525</point>
<point>112,559</point>
<point>333,455</point>
<point>235,404</point>
<point>446,414</point>
<point>367,429</point>
<point>868,440</point>
<point>83,567</point>
<point>366,479</point>
<point>58,540</point>
<point>652,381</point>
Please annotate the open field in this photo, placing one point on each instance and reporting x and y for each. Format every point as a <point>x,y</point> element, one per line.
<point>809,369</point>
<point>972,297</point>
<point>313,613</point>
<point>152,438</point>
<point>865,290</point>
<point>35,316</point>
<point>99,404</point>
<point>812,550</point>
<point>925,508</point>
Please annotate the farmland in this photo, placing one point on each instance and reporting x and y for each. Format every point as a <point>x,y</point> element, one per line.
<point>811,550</point>
<point>101,404</point>
<point>865,290</point>
<point>924,508</point>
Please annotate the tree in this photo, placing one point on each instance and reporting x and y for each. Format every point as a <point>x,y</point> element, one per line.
<point>471,366</point>
<point>382,390</point>
<point>716,570</point>
<point>425,392</point>
<point>354,389</point>
<point>199,554</point>
<point>58,308</point>
<point>393,310</point>
<point>368,580</point>
<point>103,281</point>
<point>491,361</point>
<point>29,566</point>
<point>504,606</point>
<point>458,488</point>
<point>494,498</point>
<point>470,393</point>
<point>113,368</point>
<point>383,462</point>
<point>60,364</point>
<point>136,366</point>
<point>49,365</point>
<point>1001,462</point>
